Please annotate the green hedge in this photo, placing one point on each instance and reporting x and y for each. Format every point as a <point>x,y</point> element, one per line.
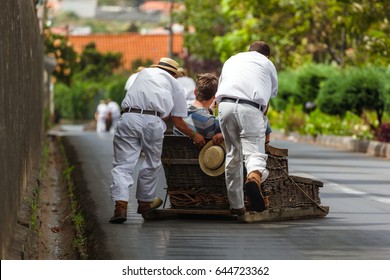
<point>79,101</point>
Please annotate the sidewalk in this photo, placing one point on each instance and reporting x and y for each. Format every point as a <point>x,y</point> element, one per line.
<point>345,143</point>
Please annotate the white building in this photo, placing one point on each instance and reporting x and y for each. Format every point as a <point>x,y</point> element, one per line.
<point>82,8</point>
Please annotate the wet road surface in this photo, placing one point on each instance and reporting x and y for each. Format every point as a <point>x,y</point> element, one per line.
<point>356,188</point>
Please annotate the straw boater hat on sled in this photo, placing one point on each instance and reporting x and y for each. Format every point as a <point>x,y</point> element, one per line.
<point>212,159</point>
<point>168,64</point>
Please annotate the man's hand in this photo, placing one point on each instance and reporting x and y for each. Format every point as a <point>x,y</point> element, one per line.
<point>183,127</point>
<point>218,139</point>
<point>199,140</point>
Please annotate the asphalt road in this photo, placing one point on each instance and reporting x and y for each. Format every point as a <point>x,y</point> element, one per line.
<point>356,188</point>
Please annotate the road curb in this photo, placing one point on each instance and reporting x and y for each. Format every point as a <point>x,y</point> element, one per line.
<point>346,143</point>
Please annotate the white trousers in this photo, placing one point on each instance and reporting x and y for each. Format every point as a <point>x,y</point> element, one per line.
<point>136,132</point>
<point>101,125</point>
<point>243,128</point>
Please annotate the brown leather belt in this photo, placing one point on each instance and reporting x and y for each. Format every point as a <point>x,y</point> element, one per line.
<point>241,101</point>
<point>141,111</point>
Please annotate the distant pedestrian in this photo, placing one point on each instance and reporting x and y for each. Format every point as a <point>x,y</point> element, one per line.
<point>113,115</point>
<point>101,116</point>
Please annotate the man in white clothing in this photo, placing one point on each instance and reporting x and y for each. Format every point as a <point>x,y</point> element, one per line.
<point>248,80</point>
<point>113,114</point>
<point>101,116</point>
<point>189,86</point>
<point>154,95</point>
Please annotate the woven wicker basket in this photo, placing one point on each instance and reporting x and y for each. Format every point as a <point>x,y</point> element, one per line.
<point>190,187</point>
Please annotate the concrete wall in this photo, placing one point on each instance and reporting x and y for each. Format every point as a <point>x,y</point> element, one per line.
<point>21,111</point>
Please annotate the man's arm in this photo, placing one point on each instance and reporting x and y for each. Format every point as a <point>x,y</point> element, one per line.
<point>183,127</point>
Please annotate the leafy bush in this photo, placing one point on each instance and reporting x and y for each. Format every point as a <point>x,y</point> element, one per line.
<point>294,119</point>
<point>382,133</point>
<point>301,86</point>
<point>365,90</point>
<point>97,66</point>
<point>116,88</point>
<point>319,123</point>
<point>310,79</point>
<point>331,98</point>
<point>357,90</point>
<point>287,90</point>
<point>77,101</point>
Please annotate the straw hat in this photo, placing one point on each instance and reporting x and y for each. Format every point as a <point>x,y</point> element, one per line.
<point>212,159</point>
<point>168,64</point>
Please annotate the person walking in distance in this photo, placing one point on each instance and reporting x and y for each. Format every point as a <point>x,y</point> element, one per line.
<point>101,116</point>
<point>248,80</point>
<point>154,95</point>
<point>113,114</point>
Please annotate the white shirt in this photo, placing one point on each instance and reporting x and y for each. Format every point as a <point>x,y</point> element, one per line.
<point>155,89</point>
<point>113,107</point>
<point>130,80</point>
<point>102,111</point>
<point>250,76</point>
<point>189,86</point>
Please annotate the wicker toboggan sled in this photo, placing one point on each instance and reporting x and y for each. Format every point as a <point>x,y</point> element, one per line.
<point>191,192</point>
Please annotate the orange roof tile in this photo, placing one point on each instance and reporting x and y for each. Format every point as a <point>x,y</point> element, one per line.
<point>132,45</point>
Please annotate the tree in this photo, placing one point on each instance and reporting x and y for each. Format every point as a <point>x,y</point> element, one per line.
<point>344,32</point>
<point>96,65</point>
<point>58,47</point>
<point>202,22</point>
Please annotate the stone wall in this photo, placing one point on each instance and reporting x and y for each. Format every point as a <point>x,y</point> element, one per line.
<point>21,113</point>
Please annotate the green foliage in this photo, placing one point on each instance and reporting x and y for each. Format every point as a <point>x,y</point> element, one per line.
<point>205,16</point>
<point>58,47</point>
<point>318,123</point>
<point>115,89</point>
<point>365,91</point>
<point>287,90</point>
<point>310,78</point>
<point>302,85</point>
<point>95,65</point>
<point>77,101</point>
<point>331,98</point>
<point>356,90</point>
<point>342,32</point>
<point>140,62</point>
<point>293,119</point>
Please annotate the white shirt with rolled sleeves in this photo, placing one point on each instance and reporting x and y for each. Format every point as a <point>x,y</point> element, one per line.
<point>249,76</point>
<point>155,90</point>
<point>130,80</point>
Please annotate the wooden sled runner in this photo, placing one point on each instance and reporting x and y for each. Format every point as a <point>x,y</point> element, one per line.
<point>191,192</point>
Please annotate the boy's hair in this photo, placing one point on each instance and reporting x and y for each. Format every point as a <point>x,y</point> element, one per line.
<point>206,86</point>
